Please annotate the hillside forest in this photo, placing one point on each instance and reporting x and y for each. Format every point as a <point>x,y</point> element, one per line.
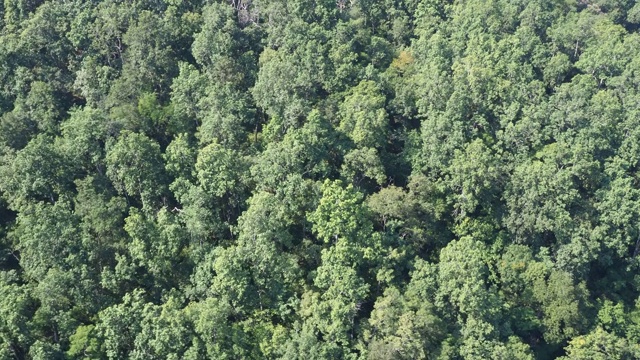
<point>320,179</point>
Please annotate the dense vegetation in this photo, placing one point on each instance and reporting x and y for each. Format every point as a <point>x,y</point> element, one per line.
<point>391,179</point>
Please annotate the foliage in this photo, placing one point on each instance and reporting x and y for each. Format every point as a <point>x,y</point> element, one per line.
<point>329,179</point>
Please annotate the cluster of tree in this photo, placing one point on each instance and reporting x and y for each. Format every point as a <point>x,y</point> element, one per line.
<point>294,179</point>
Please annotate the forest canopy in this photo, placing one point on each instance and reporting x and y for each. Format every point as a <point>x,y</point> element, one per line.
<point>320,179</point>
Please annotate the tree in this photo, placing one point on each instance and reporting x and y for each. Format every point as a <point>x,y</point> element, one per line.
<point>47,237</point>
<point>16,309</point>
<point>465,289</point>
<point>39,172</point>
<point>147,58</point>
<point>157,245</point>
<point>310,152</point>
<point>165,332</point>
<point>363,117</point>
<point>180,157</point>
<point>562,302</point>
<point>101,215</point>
<point>540,194</point>
<point>135,166</point>
<point>474,176</point>
<point>291,79</point>
<point>119,325</point>
<point>84,136</point>
<point>226,114</point>
<point>339,214</point>
<point>403,326</point>
<point>360,164</point>
<point>600,344</point>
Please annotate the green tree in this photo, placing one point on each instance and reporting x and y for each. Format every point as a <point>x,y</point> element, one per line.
<point>157,245</point>
<point>363,116</point>
<point>291,79</point>
<point>16,311</point>
<point>84,135</point>
<point>599,344</point>
<point>135,166</point>
<point>39,172</point>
